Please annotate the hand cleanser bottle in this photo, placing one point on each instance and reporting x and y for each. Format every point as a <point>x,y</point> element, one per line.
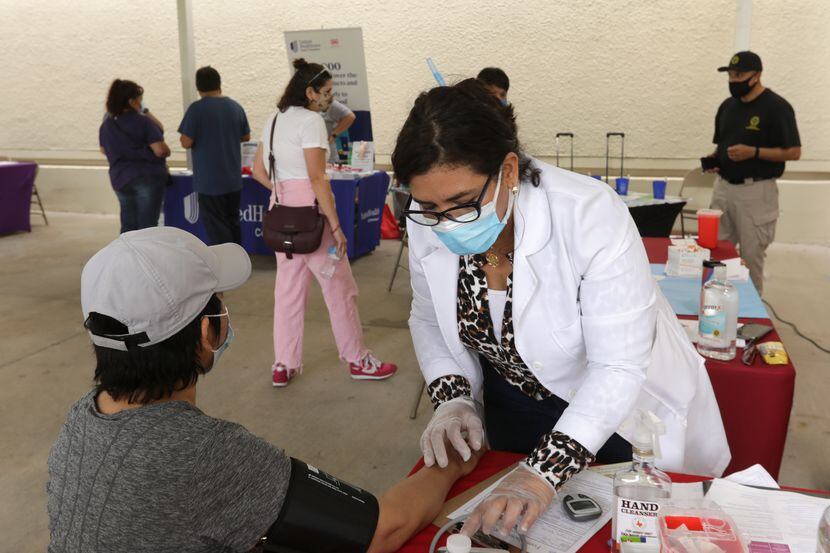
<point>640,491</point>
<point>718,318</point>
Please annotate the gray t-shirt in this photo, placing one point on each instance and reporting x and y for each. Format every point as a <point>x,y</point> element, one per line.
<point>161,478</point>
<point>332,117</point>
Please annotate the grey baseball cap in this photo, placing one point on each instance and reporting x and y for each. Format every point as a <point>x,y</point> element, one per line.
<point>155,281</point>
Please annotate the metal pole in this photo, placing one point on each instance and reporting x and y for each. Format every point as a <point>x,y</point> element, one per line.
<point>743,25</point>
<point>187,58</point>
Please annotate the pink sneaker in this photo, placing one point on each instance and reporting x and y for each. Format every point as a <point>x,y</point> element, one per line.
<point>280,375</point>
<point>371,368</point>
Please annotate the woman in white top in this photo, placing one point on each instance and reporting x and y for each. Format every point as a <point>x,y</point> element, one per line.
<point>532,291</point>
<point>300,145</point>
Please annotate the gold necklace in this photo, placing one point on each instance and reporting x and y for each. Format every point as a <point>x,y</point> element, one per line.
<point>492,257</point>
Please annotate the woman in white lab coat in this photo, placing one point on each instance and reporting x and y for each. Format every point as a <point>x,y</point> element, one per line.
<point>532,293</point>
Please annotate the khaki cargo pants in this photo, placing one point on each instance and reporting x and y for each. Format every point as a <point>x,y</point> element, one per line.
<point>750,212</point>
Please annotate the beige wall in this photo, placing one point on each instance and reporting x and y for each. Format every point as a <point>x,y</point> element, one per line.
<point>646,68</point>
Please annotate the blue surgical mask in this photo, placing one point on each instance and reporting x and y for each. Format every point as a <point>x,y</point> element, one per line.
<point>467,238</point>
<point>217,353</point>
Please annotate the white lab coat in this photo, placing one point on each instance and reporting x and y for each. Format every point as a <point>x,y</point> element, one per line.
<point>589,321</point>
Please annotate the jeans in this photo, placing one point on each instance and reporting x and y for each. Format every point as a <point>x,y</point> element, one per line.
<point>220,216</point>
<point>516,422</point>
<point>141,201</point>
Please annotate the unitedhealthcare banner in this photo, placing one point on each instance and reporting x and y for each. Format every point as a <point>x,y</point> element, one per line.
<point>360,223</point>
<point>341,52</point>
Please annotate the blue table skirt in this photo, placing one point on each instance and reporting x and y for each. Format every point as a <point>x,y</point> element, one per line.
<point>359,207</point>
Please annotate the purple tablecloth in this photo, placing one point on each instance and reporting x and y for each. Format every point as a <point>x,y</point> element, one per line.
<point>16,182</point>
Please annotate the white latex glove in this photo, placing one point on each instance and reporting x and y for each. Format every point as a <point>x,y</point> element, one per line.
<point>451,421</point>
<point>523,491</point>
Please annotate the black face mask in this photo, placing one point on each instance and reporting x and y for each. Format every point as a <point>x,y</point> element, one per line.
<point>740,89</point>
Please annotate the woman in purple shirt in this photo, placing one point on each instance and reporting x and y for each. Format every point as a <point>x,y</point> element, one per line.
<point>133,141</point>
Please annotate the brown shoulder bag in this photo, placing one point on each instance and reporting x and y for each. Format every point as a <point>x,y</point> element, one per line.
<point>290,230</point>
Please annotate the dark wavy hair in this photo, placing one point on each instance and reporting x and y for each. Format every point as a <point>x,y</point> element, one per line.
<point>306,75</point>
<point>120,94</point>
<point>494,77</point>
<point>459,126</point>
<point>146,374</point>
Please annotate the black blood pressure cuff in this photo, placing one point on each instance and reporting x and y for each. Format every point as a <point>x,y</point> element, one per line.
<point>322,514</point>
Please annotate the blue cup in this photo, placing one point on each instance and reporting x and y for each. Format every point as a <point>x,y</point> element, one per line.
<point>598,177</point>
<point>659,189</point>
<point>622,186</point>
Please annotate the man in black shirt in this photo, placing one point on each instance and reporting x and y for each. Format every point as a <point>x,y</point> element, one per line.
<point>755,133</point>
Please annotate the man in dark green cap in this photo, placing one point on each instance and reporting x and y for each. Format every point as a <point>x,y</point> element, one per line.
<point>755,133</point>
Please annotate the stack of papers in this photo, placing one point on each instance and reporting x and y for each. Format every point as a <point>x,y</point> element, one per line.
<point>555,531</point>
<point>772,520</point>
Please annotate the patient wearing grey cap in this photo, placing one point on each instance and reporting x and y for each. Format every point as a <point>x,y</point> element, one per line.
<point>138,467</point>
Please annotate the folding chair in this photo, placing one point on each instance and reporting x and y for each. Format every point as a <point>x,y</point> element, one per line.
<point>400,197</point>
<point>700,185</point>
<point>37,201</point>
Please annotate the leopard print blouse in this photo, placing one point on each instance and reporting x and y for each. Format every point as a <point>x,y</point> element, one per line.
<point>557,457</point>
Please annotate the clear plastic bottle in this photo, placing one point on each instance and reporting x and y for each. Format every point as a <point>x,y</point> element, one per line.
<point>640,491</point>
<point>718,317</point>
<point>332,259</point>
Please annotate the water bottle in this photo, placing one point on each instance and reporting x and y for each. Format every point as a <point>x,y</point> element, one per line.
<point>332,259</point>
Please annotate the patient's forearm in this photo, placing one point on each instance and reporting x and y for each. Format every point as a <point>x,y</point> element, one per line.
<point>411,504</point>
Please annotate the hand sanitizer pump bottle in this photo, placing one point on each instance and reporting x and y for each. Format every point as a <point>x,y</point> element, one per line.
<point>641,490</point>
<point>718,317</point>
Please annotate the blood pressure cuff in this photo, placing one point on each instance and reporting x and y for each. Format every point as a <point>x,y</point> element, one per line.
<point>322,514</point>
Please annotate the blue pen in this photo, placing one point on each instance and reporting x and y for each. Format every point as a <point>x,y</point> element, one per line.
<point>435,72</point>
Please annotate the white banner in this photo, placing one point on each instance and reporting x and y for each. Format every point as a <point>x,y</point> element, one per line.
<point>341,52</point>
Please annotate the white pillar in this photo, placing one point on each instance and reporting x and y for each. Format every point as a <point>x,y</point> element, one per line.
<point>743,25</point>
<point>187,57</point>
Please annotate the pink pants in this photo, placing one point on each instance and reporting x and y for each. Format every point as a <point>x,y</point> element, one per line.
<point>292,285</point>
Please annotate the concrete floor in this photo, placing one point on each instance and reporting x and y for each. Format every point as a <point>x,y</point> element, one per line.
<point>357,430</point>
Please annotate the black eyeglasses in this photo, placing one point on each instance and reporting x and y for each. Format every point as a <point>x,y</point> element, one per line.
<point>465,213</point>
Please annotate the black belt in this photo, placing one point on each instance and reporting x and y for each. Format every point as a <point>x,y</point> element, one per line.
<point>748,180</point>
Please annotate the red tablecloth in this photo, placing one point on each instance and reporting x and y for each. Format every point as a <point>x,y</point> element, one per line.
<point>16,182</point>
<point>491,463</point>
<point>755,402</point>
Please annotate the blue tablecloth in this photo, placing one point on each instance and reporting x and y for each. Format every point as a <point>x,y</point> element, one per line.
<point>683,294</point>
<point>359,207</point>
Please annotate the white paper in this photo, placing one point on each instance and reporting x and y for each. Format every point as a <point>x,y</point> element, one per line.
<point>771,516</point>
<point>683,240</point>
<point>609,471</point>
<point>686,491</point>
<point>555,531</point>
<point>363,155</point>
<point>690,326</point>
<point>735,270</point>
<point>756,475</point>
